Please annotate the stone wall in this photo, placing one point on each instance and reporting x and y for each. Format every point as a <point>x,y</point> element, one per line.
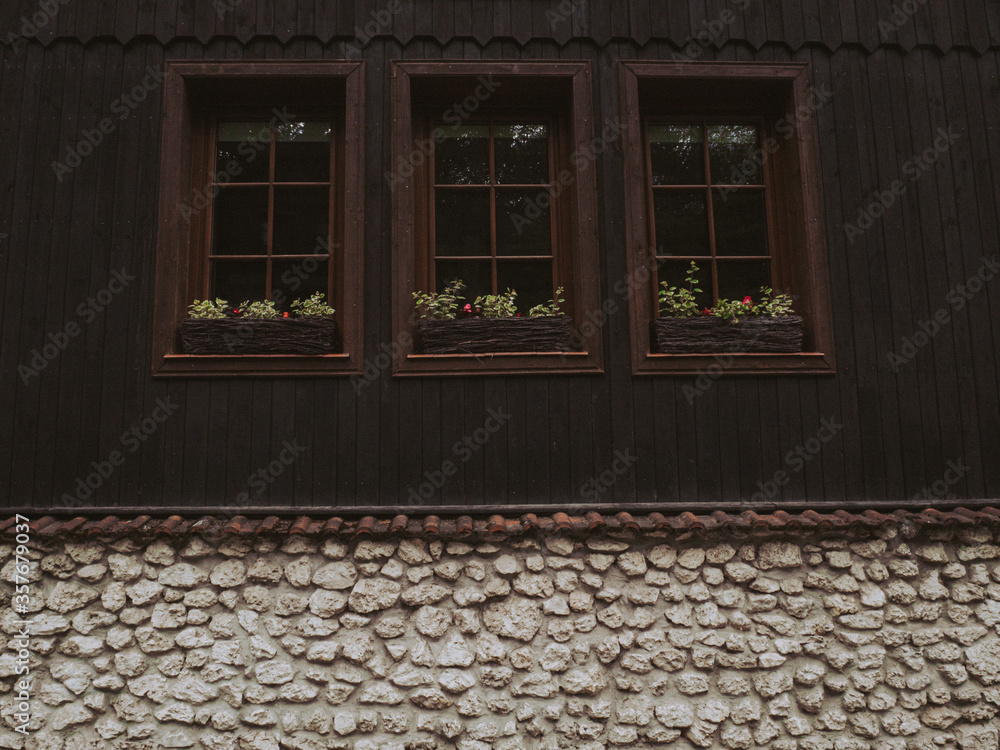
<point>882,641</point>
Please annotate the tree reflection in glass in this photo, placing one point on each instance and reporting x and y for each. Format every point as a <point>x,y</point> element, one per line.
<point>462,155</point>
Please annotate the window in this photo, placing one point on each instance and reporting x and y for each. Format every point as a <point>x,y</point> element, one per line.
<point>486,177</point>
<point>493,183</point>
<point>260,200</point>
<point>271,219</point>
<point>708,201</point>
<point>721,169</point>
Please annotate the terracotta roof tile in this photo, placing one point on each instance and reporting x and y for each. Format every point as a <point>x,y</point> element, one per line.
<point>562,522</point>
<point>268,524</point>
<point>496,525</point>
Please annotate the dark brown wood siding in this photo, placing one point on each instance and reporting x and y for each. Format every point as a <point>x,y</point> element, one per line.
<point>372,444</point>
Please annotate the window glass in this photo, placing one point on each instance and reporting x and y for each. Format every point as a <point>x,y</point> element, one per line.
<point>521,153</point>
<point>738,279</point>
<point>505,232</point>
<point>681,222</point>
<point>298,279</point>
<point>676,155</point>
<point>734,155</point>
<point>462,155</point>
<point>301,215</point>
<point>286,212</point>
<point>243,150</point>
<point>239,224</point>
<point>239,280</point>
<point>302,152</point>
<point>523,226</point>
<point>714,217</point>
<point>740,222</point>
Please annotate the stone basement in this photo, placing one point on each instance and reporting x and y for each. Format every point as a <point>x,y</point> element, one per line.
<point>887,640</point>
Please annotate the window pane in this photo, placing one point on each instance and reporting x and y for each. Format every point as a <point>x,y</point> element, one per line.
<point>238,280</point>
<point>523,226</point>
<point>302,152</point>
<point>462,222</point>
<point>239,224</point>
<point>676,155</point>
<point>675,274</point>
<point>681,219</point>
<point>734,155</point>
<point>532,280</point>
<point>462,155</point>
<point>740,222</point>
<point>243,150</point>
<point>737,279</point>
<point>521,154</point>
<point>476,275</point>
<point>301,219</point>
<point>298,279</point>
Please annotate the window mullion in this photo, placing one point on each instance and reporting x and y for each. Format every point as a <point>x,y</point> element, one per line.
<point>209,224</point>
<point>272,157</point>
<point>493,216</point>
<point>710,212</point>
<point>430,185</point>
<point>331,228</point>
<point>556,259</point>
<point>651,222</point>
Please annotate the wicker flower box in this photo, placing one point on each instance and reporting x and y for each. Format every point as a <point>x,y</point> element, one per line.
<point>249,336</point>
<point>711,335</point>
<point>491,335</point>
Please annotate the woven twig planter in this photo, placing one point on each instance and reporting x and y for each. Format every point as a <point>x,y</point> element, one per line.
<point>242,336</point>
<point>711,335</point>
<point>491,335</point>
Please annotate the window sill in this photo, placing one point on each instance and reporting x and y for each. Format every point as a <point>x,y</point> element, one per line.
<point>803,363</point>
<point>506,363</point>
<point>254,365</point>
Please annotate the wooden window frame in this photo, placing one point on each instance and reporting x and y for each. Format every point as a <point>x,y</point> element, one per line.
<point>796,234</point>
<point>426,257</point>
<point>335,187</point>
<point>706,263</point>
<point>195,95</point>
<point>577,260</point>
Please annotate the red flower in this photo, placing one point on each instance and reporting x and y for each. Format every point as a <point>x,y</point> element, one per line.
<point>284,315</point>
<point>747,300</point>
<point>706,311</point>
<point>236,311</point>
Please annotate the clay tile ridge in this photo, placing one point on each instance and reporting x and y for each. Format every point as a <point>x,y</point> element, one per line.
<point>487,526</point>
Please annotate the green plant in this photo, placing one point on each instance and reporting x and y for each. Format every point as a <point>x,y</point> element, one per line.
<point>260,310</point>
<point>497,305</point>
<point>550,309</point>
<point>778,304</point>
<point>680,303</point>
<point>769,306</point>
<point>206,309</point>
<point>677,302</point>
<point>730,309</point>
<point>439,305</point>
<point>313,307</point>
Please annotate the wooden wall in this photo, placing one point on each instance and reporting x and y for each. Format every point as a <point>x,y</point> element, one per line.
<point>890,97</point>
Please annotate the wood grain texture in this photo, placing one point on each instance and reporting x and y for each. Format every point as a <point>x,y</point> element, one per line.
<point>705,434</point>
